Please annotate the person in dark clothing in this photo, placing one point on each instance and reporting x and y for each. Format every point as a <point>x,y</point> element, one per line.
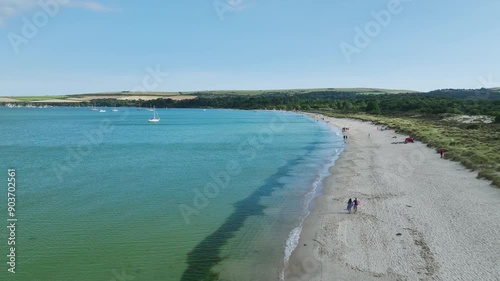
<point>349,205</point>
<point>356,203</point>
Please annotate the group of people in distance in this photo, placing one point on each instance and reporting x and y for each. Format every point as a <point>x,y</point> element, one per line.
<point>353,204</point>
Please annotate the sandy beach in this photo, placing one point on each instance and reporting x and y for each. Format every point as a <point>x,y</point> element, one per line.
<point>421,217</point>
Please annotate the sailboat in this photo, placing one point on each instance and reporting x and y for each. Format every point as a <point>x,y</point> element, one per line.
<point>114,109</point>
<point>155,118</point>
<point>93,108</point>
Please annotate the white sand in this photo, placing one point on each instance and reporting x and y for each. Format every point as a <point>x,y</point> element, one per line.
<point>449,221</point>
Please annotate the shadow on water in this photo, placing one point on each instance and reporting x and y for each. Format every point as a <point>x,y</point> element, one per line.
<point>207,253</point>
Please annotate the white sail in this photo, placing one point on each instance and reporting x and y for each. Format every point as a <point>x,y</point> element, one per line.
<point>155,118</point>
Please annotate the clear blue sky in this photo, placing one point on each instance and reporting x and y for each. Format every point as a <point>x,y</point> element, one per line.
<point>107,45</point>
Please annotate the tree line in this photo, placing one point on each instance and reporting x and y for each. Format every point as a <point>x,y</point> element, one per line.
<point>470,102</point>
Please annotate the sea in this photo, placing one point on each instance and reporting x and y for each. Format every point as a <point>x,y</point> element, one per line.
<point>205,194</point>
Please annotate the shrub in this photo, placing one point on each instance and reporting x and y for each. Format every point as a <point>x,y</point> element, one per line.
<point>472,126</point>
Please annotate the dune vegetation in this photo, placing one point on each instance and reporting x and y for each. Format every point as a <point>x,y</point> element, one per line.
<point>475,145</point>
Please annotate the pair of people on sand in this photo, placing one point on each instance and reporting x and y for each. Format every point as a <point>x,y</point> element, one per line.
<point>352,204</point>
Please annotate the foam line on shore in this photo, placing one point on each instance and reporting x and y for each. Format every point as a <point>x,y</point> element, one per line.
<point>294,236</point>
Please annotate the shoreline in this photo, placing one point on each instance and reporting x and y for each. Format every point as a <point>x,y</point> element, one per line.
<point>293,239</point>
<point>421,217</point>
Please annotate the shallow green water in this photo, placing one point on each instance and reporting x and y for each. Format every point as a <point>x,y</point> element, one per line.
<point>109,196</point>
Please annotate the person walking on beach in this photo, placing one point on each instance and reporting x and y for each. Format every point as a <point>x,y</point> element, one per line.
<point>349,205</point>
<point>356,203</point>
<point>441,151</point>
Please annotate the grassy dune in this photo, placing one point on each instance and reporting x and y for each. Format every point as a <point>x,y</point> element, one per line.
<point>476,146</point>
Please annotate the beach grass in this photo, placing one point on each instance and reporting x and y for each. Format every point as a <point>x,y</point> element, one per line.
<point>476,146</point>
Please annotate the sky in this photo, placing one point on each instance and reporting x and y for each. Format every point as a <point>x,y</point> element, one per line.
<point>55,47</point>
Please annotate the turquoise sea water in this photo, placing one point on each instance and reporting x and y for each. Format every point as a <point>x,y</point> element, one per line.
<point>200,195</point>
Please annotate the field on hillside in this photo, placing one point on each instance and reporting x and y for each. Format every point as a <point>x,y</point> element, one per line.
<point>38,98</point>
<point>92,96</point>
<point>126,95</point>
<point>303,91</point>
